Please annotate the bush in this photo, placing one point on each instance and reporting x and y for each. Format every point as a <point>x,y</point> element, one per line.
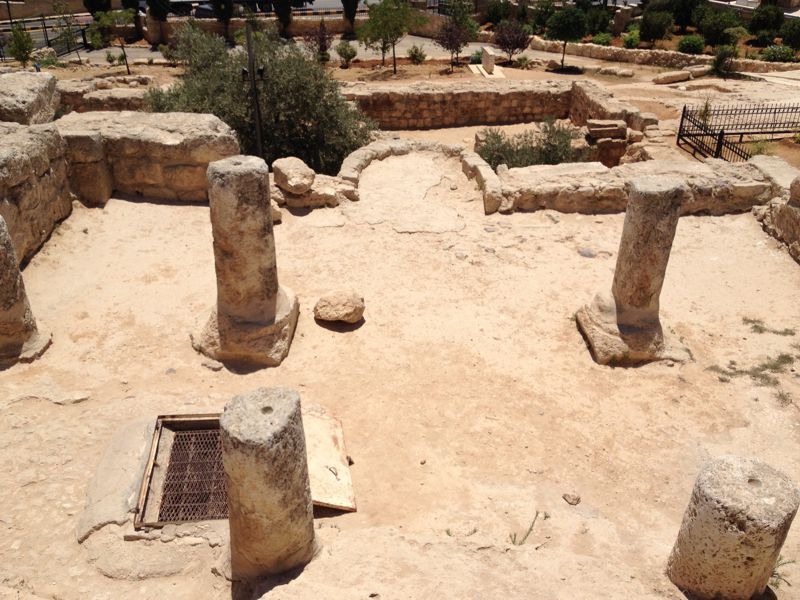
<point>692,44</point>
<point>346,53</point>
<point>767,17</point>
<point>457,31</point>
<point>524,63</point>
<point>511,38</point>
<point>476,57</point>
<point>304,113</point>
<point>597,20</point>
<point>416,55</point>
<point>542,12</point>
<point>110,58</point>
<point>714,23</point>
<point>723,59</point>
<point>551,146</point>
<point>763,39</point>
<point>655,25</point>
<point>790,33</point>
<point>631,39</point>
<point>778,54</point>
<point>498,11</point>
<point>319,42</point>
<point>602,39</point>
<point>734,34</point>
<point>20,46</point>
<point>567,25</point>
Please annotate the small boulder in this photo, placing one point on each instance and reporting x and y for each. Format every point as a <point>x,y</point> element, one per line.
<point>43,54</point>
<point>293,175</point>
<point>672,77</point>
<point>345,306</point>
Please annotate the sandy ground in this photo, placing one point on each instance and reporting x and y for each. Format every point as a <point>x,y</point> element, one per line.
<point>468,397</point>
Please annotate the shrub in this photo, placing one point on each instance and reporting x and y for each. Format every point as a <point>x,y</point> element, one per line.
<point>723,60</point>
<point>714,23</point>
<point>20,46</point>
<point>631,39</point>
<point>458,30</point>
<point>305,115</point>
<point>767,17</point>
<point>110,58</point>
<point>597,20</point>
<point>476,57</point>
<point>602,39</point>
<point>524,63</point>
<point>551,146</point>
<point>346,53</point>
<point>763,39</point>
<point>542,13</point>
<point>389,22</point>
<point>692,44</point>
<point>655,25</point>
<point>100,32</point>
<point>682,11</point>
<point>511,38</point>
<point>319,42</point>
<point>790,33</point>
<point>734,34</point>
<point>778,54</point>
<point>567,25</point>
<point>416,55</point>
<point>350,9</point>
<point>498,11</point>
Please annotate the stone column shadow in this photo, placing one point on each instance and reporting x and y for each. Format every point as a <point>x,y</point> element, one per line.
<point>254,320</point>
<point>623,328</point>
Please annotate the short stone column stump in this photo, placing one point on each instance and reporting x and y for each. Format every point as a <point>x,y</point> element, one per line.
<point>21,339</point>
<point>266,470</point>
<point>623,328</point>
<point>733,530</point>
<point>255,318</point>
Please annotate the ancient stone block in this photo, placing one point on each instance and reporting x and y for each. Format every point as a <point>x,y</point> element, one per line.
<point>672,77</point>
<point>28,98</point>
<point>293,175</point>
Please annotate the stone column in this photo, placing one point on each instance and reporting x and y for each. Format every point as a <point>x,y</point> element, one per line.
<point>731,536</point>
<point>255,318</point>
<point>20,338</point>
<point>624,328</point>
<point>266,470</point>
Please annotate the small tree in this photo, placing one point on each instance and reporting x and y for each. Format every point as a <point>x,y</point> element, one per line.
<point>350,8</point>
<point>66,27</point>
<point>767,17</point>
<point>692,44</point>
<point>597,20</point>
<point>655,25</point>
<point>389,22</point>
<point>102,31</point>
<point>346,53</point>
<point>714,23</point>
<point>283,10</point>
<point>682,12</point>
<point>318,42</point>
<point>542,13</point>
<point>567,25</point>
<point>20,46</point>
<point>457,31</point>
<point>723,60</point>
<point>790,33</point>
<point>511,38</point>
<point>223,11</point>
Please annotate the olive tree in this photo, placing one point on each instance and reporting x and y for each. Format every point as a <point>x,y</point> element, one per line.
<point>389,22</point>
<point>511,38</point>
<point>567,25</point>
<point>457,31</point>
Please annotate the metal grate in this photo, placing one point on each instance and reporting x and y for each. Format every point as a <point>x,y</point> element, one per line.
<point>194,487</point>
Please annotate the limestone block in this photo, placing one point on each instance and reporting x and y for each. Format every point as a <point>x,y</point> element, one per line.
<point>28,98</point>
<point>672,77</point>
<point>293,175</point>
<point>91,182</point>
<point>610,151</point>
<point>340,305</point>
<point>487,60</point>
<point>777,170</point>
<point>113,99</point>
<point>738,517</point>
<point>600,128</point>
<point>266,471</point>
<point>699,70</point>
<point>43,54</point>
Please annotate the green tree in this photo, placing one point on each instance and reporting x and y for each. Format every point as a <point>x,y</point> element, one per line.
<point>714,23</point>
<point>319,42</point>
<point>223,11</point>
<point>304,114</point>
<point>457,31</point>
<point>790,33</point>
<point>350,8</point>
<point>511,38</point>
<point>542,13</point>
<point>102,31</point>
<point>159,9</point>
<point>283,10</point>
<point>597,20</point>
<point>66,28</point>
<point>567,25</point>
<point>766,17</point>
<point>346,53</point>
<point>682,12</point>
<point>655,25</point>
<point>20,46</point>
<point>389,22</point>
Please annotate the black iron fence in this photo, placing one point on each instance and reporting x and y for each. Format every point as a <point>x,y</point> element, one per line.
<point>728,131</point>
<point>50,32</point>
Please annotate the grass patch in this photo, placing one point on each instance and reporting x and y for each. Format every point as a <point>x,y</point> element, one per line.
<point>758,326</point>
<point>777,578</point>
<point>519,540</point>
<point>762,373</point>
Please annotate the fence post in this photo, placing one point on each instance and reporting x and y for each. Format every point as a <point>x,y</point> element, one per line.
<point>44,29</point>
<point>720,140</point>
<point>680,127</point>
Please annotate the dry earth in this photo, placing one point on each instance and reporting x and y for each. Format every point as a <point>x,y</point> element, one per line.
<point>468,398</point>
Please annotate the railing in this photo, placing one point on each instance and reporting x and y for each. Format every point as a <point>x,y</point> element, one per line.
<point>48,32</point>
<point>725,131</point>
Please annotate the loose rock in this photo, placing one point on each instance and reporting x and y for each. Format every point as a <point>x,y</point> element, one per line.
<point>346,306</point>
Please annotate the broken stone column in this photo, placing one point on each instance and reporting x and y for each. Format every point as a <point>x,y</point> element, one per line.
<point>624,329</point>
<point>255,318</point>
<point>266,470</point>
<point>733,530</point>
<point>21,340</point>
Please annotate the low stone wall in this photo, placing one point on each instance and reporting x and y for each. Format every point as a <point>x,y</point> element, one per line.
<point>425,105</point>
<point>158,155</point>
<point>656,58</point>
<point>106,93</point>
<point>34,193</point>
<point>28,98</point>
<point>718,187</point>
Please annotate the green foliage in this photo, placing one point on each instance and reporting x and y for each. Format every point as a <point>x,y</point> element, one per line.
<point>767,17</point>
<point>101,31</point>
<point>777,578</point>
<point>20,46</point>
<point>498,11</point>
<point>713,24</point>
<point>790,33</point>
<point>602,39</point>
<point>95,6</point>
<point>551,146</point>
<point>631,39</point>
<point>304,113</point>
<point>723,60</point>
<point>476,57</point>
<point>350,9</point>
<point>159,9</point>
<point>682,12</point>
<point>416,55</point>
<point>567,25</point>
<point>110,58</point>
<point>389,22</point>
<point>597,20</point>
<point>692,44</point>
<point>66,29</point>
<point>542,13</point>
<point>778,54</point>
<point>223,9</point>
<point>319,42</point>
<point>458,30</point>
<point>764,38</point>
<point>283,10</point>
<point>347,52</point>
<point>511,38</point>
<point>655,25</point>
<point>734,34</point>
<point>524,63</point>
